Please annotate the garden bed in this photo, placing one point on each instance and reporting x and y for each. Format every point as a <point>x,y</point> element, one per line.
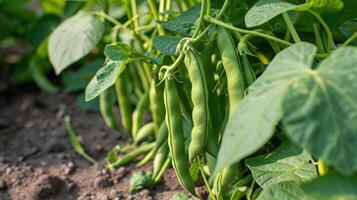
<point>37,160</point>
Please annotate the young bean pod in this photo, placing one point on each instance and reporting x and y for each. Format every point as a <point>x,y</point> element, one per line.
<point>200,97</point>
<point>146,131</point>
<point>106,109</point>
<point>233,67</point>
<point>160,158</point>
<point>139,113</point>
<point>157,106</point>
<point>121,90</point>
<point>176,136</point>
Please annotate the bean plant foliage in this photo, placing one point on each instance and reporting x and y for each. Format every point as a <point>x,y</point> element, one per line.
<point>256,98</point>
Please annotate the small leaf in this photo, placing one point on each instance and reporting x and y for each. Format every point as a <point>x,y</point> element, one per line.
<point>265,10</point>
<point>287,163</point>
<point>183,24</point>
<point>331,186</point>
<point>141,180</point>
<point>104,78</point>
<point>120,51</point>
<point>73,39</point>
<point>167,44</point>
<point>254,122</point>
<point>179,196</point>
<point>283,190</point>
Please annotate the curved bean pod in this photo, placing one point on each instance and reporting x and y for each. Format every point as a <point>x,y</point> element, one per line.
<point>176,136</point>
<point>200,97</point>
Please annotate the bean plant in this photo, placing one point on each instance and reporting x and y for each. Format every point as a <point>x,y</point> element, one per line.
<point>255,99</point>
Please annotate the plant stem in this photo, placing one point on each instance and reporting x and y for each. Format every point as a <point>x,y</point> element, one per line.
<point>134,11</point>
<point>291,27</point>
<point>208,7</point>
<point>326,28</point>
<point>211,194</point>
<point>109,18</point>
<point>350,40</point>
<point>228,26</point>
<point>200,19</point>
<point>223,9</point>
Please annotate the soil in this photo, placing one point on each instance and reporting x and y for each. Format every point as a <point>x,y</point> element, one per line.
<point>37,161</point>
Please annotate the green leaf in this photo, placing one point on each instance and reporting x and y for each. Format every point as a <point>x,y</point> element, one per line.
<point>265,10</point>
<point>348,12</point>
<point>254,122</point>
<point>120,51</point>
<point>103,79</point>
<point>73,39</point>
<point>42,28</point>
<point>39,76</point>
<point>141,180</point>
<point>287,163</point>
<point>77,80</point>
<point>167,44</point>
<point>184,23</point>
<point>179,196</point>
<point>332,187</point>
<point>283,190</point>
<point>320,110</point>
<point>92,105</point>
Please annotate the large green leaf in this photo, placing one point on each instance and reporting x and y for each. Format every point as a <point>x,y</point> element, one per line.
<point>331,187</point>
<point>254,122</point>
<point>287,163</point>
<point>184,23</point>
<point>103,79</point>
<point>167,44</point>
<point>320,110</point>
<point>283,191</point>
<point>73,39</point>
<point>266,10</point>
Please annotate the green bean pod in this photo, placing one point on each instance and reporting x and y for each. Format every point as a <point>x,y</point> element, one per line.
<point>200,97</point>
<point>139,113</point>
<point>146,131</point>
<point>233,67</point>
<point>106,109</point>
<point>236,89</point>
<point>160,158</point>
<point>176,136</point>
<point>162,135</point>
<point>122,93</point>
<point>249,74</point>
<point>157,106</point>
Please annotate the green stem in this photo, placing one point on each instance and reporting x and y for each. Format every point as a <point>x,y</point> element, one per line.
<point>156,16</point>
<point>318,39</point>
<point>134,11</point>
<point>291,27</point>
<point>211,194</point>
<point>223,9</point>
<point>109,18</point>
<point>326,28</point>
<point>350,40</point>
<point>200,19</point>
<point>228,26</point>
<point>208,7</point>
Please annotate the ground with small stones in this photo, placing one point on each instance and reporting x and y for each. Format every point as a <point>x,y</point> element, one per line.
<point>37,161</point>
